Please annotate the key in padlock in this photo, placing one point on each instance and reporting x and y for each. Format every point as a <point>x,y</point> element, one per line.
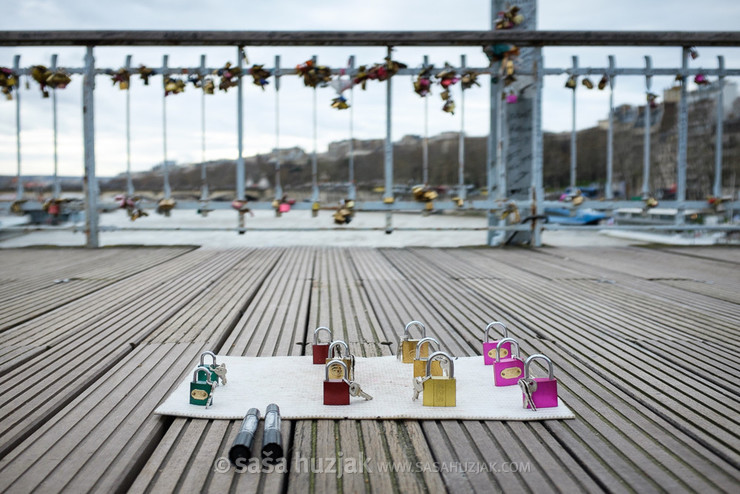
<point>546,393</point>
<point>507,371</point>
<point>335,351</point>
<point>407,348</point>
<point>420,363</point>
<point>211,366</point>
<point>320,350</point>
<point>336,385</point>
<point>201,391</point>
<point>440,391</point>
<point>489,347</point>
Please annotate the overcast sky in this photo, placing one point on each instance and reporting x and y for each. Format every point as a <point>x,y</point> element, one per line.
<point>183,111</point>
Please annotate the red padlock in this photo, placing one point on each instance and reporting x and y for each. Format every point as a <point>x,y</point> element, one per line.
<point>336,388</point>
<point>507,371</point>
<point>320,350</point>
<point>489,347</point>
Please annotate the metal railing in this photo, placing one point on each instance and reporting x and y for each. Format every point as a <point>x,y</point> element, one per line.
<point>495,200</point>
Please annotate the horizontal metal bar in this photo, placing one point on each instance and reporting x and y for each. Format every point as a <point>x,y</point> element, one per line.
<point>399,206</point>
<point>640,71</point>
<point>368,38</point>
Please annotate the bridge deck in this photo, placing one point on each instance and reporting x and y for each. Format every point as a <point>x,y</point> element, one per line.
<point>645,343</point>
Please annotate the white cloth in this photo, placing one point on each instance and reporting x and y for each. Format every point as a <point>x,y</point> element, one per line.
<point>296,385</point>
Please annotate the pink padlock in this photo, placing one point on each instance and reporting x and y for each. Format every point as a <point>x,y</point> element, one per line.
<point>507,371</point>
<point>544,390</point>
<point>489,347</point>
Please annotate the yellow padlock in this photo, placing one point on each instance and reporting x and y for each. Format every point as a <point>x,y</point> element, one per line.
<point>407,348</point>
<point>440,391</point>
<point>344,356</point>
<point>420,363</point>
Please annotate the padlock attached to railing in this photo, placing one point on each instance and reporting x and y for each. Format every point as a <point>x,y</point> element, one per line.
<point>407,348</point>
<point>218,371</point>
<point>336,352</point>
<point>201,391</point>
<point>440,391</point>
<point>320,350</point>
<point>336,383</point>
<point>507,371</point>
<point>420,363</point>
<point>489,347</point>
<point>539,392</point>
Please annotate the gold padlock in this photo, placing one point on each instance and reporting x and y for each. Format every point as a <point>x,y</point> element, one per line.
<point>344,356</point>
<point>407,349</point>
<point>440,391</point>
<point>420,363</point>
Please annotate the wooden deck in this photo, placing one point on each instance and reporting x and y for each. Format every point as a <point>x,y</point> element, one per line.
<point>646,344</point>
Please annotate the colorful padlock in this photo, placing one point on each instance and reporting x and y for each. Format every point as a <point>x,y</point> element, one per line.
<point>545,389</point>
<point>201,391</point>
<point>489,347</point>
<point>336,385</point>
<point>507,371</point>
<point>440,391</point>
<point>420,363</point>
<point>320,350</point>
<point>335,351</point>
<point>407,350</point>
<point>211,366</point>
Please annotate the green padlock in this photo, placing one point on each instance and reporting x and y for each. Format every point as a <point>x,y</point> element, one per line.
<point>211,366</point>
<point>201,391</point>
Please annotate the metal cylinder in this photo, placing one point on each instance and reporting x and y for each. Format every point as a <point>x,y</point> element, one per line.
<point>241,448</point>
<point>272,439</point>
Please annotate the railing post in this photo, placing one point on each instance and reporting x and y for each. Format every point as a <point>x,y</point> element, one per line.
<point>129,181</point>
<point>88,128</point>
<point>683,129</point>
<point>425,146</point>
<point>610,134</point>
<point>352,189</point>
<point>278,185</point>
<point>538,191</point>
<point>461,143</point>
<point>240,136</point>
<point>19,178</point>
<point>56,188</point>
<point>717,188</point>
<point>573,146</point>
<point>648,126</point>
<point>203,175</point>
<point>388,162</point>
<point>165,164</point>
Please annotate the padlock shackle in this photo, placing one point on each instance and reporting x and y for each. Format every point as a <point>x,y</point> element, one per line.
<point>505,340</point>
<point>338,343</point>
<point>550,372</point>
<point>208,374</point>
<point>440,355</point>
<point>429,340</point>
<point>316,334</point>
<point>203,357</point>
<point>339,362</point>
<point>496,323</point>
<point>417,324</point>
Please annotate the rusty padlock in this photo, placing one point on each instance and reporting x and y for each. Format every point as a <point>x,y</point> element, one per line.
<point>420,363</point>
<point>201,391</point>
<point>320,350</point>
<point>440,391</point>
<point>507,371</point>
<point>346,357</point>
<point>489,347</point>
<point>407,348</point>
<point>336,385</point>
<point>539,392</point>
